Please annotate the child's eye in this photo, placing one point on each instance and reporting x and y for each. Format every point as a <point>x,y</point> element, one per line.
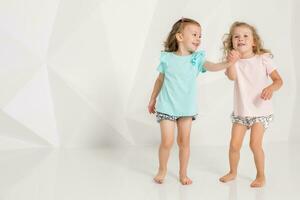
<point>200,36</point>
<point>245,35</point>
<point>236,36</point>
<point>194,35</point>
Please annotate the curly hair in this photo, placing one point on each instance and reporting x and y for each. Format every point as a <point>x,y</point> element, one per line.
<point>227,40</point>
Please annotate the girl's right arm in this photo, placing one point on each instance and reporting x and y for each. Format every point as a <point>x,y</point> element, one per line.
<point>157,86</point>
<point>231,73</point>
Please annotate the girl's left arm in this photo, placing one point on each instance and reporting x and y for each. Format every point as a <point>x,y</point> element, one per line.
<point>216,66</point>
<point>231,59</point>
<point>276,85</point>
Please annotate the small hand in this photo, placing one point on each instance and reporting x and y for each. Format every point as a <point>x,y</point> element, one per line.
<point>233,56</point>
<point>267,93</point>
<point>151,106</point>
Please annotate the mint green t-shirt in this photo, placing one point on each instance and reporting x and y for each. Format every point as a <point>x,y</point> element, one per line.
<point>178,94</point>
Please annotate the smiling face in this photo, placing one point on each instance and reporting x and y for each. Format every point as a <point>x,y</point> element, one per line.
<point>189,38</point>
<point>242,41</point>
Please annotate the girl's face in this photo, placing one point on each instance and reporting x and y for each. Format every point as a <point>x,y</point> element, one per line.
<point>190,37</point>
<point>242,41</point>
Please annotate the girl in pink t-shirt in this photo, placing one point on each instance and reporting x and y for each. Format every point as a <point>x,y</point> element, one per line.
<point>253,91</point>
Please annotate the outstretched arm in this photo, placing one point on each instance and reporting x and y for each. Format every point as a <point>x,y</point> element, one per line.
<point>231,59</point>
<point>210,66</point>
<point>157,86</point>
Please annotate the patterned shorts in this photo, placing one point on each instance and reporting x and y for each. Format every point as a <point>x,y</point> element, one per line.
<point>249,121</point>
<point>162,116</point>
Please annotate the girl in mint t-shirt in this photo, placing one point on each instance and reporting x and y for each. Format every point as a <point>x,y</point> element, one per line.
<point>175,88</point>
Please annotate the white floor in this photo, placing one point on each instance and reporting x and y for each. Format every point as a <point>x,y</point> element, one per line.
<point>126,174</point>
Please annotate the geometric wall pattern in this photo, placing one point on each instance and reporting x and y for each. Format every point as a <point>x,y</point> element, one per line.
<point>79,73</point>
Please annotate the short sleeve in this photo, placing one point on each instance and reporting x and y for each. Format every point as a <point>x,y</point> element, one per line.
<point>268,62</point>
<point>198,60</point>
<point>163,62</point>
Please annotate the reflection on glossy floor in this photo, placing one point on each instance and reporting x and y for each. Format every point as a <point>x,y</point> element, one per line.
<point>126,173</point>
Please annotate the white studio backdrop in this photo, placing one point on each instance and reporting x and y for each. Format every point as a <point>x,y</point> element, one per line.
<point>79,73</point>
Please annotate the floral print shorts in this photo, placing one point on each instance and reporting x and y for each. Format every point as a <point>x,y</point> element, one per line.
<point>162,116</point>
<point>249,121</point>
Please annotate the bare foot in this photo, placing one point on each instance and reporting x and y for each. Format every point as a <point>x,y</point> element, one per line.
<point>159,178</point>
<point>227,177</point>
<point>185,180</point>
<point>258,182</point>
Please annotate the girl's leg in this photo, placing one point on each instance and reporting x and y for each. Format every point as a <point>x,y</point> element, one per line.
<point>237,136</point>
<point>167,139</point>
<point>184,125</point>
<point>256,138</point>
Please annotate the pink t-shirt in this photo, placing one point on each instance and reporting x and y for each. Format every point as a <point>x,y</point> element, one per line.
<point>252,76</point>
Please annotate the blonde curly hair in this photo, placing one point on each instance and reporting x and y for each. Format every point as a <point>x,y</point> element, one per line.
<point>227,40</point>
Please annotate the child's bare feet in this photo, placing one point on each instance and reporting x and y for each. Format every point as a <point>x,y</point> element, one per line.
<point>228,177</point>
<point>160,176</point>
<point>258,182</point>
<point>184,180</point>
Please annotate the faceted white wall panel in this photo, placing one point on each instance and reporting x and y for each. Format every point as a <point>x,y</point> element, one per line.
<point>79,73</point>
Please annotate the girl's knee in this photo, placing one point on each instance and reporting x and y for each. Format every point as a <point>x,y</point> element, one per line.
<point>235,147</point>
<point>167,145</point>
<point>255,146</point>
<point>183,144</point>
<point>179,142</point>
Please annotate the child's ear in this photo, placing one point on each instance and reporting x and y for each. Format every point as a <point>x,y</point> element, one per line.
<point>179,37</point>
